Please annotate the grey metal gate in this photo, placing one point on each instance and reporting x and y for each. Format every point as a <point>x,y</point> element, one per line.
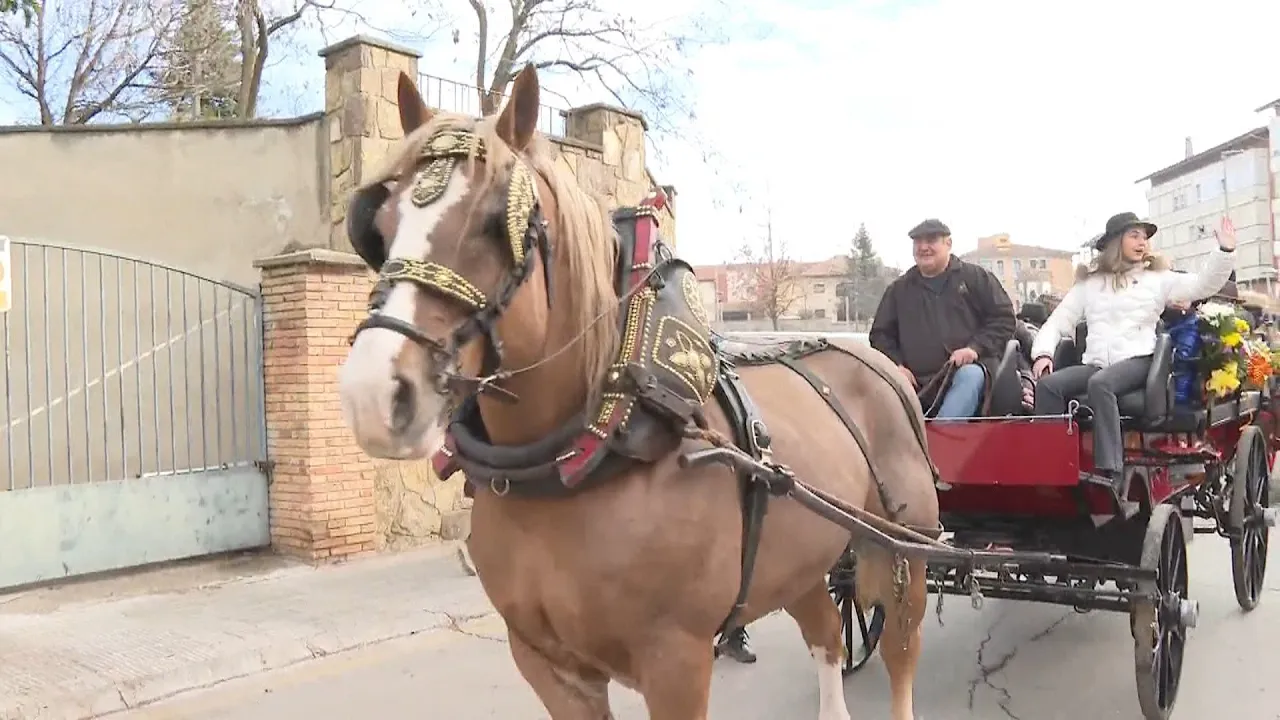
<point>134,401</point>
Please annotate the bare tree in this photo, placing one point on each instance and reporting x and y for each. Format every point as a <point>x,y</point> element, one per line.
<point>636,64</point>
<point>771,275</point>
<point>79,59</point>
<point>84,59</point>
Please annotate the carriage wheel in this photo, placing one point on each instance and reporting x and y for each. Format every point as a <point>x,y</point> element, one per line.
<point>1160,622</point>
<point>1250,496</point>
<point>869,625</point>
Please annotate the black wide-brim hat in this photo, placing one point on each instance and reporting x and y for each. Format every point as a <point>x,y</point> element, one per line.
<point>1119,225</point>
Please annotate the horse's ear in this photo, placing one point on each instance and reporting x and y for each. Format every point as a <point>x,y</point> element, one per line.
<point>413,112</point>
<point>519,118</point>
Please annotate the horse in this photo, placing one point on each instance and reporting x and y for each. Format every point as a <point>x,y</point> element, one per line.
<point>502,295</point>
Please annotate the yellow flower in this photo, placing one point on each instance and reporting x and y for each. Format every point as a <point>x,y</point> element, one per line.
<point>1231,339</point>
<point>1224,380</point>
<point>1241,325</point>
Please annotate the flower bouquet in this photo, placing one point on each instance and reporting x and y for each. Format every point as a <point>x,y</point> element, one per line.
<point>1230,359</point>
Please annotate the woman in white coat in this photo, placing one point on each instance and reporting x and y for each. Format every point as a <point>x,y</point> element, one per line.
<point>1121,296</point>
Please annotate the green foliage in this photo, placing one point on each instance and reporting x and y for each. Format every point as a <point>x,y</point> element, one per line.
<point>198,75</point>
<point>866,276</point>
<point>28,8</point>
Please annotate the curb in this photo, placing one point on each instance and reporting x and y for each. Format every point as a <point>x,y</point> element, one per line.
<point>128,696</point>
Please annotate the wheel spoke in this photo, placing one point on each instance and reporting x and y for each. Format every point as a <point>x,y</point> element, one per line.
<point>1162,674</point>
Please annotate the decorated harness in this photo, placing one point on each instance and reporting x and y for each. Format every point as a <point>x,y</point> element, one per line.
<point>665,370</point>
<point>663,374</point>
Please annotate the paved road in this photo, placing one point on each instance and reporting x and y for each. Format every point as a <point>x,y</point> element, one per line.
<point>1009,660</point>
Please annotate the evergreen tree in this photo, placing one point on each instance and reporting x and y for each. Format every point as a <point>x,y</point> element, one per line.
<point>199,75</point>
<point>866,277</point>
<point>27,8</point>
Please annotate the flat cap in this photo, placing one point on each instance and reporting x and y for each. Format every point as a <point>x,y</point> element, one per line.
<point>929,228</point>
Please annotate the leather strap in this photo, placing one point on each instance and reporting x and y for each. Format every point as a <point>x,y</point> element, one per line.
<point>825,393</point>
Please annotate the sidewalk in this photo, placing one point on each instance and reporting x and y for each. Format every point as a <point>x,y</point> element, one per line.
<point>81,660</point>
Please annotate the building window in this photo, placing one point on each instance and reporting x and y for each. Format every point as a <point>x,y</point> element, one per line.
<point>819,288</point>
<point>820,313</point>
<point>1017,266</point>
<point>1000,267</point>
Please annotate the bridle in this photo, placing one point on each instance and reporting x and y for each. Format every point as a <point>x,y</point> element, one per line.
<point>526,230</point>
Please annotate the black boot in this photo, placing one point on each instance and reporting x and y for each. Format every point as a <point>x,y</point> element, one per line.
<point>734,645</point>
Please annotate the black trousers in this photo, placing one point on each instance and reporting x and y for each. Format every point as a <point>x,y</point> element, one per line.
<point>1103,386</point>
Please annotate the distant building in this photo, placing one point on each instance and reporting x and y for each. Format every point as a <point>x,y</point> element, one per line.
<point>729,290</point>
<point>1189,198</point>
<point>1025,271</point>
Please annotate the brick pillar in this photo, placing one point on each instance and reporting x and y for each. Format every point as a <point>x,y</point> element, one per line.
<point>361,75</point>
<point>322,489</point>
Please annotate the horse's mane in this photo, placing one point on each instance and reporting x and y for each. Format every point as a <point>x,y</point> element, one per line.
<point>583,238</point>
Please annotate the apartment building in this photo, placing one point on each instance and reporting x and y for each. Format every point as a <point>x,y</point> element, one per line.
<point>1189,198</point>
<point>1025,271</point>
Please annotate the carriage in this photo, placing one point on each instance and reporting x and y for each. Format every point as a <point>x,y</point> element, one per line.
<point>562,402</point>
<point>1016,494</point>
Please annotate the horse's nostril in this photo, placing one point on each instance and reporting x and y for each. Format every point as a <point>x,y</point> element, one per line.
<point>401,405</point>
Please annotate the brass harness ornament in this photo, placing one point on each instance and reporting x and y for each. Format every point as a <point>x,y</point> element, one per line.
<point>525,229</point>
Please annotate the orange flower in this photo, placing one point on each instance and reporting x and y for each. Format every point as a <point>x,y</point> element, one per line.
<point>1258,368</point>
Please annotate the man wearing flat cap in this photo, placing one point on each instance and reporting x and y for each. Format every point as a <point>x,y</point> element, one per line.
<point>942,313</point>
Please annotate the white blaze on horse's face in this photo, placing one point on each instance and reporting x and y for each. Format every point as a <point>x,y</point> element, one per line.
<point>388,401</point>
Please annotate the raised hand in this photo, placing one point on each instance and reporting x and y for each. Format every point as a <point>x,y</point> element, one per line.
<point>1226,234</point>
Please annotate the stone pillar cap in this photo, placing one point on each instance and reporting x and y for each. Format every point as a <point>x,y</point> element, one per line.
<point>371,41</point>
<point>611,108</point>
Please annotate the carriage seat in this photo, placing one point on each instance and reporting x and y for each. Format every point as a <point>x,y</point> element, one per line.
<point>1006,385</point>
<point>1150,408</point>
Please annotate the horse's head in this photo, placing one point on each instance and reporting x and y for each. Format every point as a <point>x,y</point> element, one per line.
<point>457,228</point>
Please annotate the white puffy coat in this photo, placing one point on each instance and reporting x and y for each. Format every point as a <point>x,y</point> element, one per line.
<point>1122,324</point>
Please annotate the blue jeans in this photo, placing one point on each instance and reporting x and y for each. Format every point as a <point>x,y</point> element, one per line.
<point>965,393</point>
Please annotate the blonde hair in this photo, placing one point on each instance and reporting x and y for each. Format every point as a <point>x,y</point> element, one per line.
<point>582,234</point>
<point>1112,265</point>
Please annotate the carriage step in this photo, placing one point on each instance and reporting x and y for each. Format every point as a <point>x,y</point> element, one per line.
<point>1189,612</point>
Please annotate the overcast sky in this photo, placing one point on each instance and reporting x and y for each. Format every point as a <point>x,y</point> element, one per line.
<point>1027,117</point>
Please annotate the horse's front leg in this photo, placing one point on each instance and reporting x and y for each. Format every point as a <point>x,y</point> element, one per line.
<point>819,620</point>
<point>567,694</point>
<point>675,676</point>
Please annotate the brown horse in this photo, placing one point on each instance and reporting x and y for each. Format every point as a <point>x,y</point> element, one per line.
<point>628,579</point>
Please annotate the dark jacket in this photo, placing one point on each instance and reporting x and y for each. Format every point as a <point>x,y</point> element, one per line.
<point>919,328</point>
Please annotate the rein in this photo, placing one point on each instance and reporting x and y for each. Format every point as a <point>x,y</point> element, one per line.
<point>941,381</point>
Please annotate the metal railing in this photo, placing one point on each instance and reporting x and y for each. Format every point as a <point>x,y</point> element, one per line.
<point>118,368</point>
<point>464,99</point>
